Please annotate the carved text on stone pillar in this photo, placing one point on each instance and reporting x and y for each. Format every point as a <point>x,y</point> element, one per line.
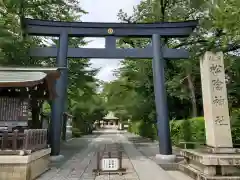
<point>217,121</point>
<point>215,69</point>
<point>218,101</point>
<point>220,121</point>
<point>217,84</point>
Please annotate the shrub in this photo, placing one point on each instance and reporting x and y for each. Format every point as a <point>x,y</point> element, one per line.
<point>175,131</point>
<point>135,127</point>
<point>130,127</point>
<point>187,130</point>
<point>76,133</point>
<point>235,123</point>
<point>146,129</point>
<point>143,128</point>
<point>198,129</point>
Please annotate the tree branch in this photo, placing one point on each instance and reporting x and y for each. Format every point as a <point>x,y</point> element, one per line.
<point>128,20</point>
<point>187,43</point>
<point>231,47</point>
<point>163,4</point>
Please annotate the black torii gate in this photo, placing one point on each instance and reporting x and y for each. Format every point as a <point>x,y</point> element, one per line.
<point>156,51</point>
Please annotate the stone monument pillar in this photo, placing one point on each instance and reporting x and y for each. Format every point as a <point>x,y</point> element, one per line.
<point>215,101</point>
<point>218,159</point>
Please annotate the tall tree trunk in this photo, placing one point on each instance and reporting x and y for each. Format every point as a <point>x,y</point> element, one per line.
<point>36,110</point>
<point>35,114</point>
<point>193,96</point>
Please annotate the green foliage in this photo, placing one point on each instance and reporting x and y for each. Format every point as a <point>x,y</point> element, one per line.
<point>144,129</point>
<point>187,130</point>
<point>86,108</point>
<point>191,130</point>
<point>131,95</point>
<point>235,122</point>
<point>83,100</point>
<point>76,133</point>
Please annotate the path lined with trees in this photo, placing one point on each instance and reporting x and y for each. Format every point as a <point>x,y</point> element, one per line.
<point>81,159</point>
<point>131,96</point>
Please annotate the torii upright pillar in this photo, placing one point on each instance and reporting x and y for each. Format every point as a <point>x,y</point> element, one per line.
<point>58,105</point>
<point>158,63</point>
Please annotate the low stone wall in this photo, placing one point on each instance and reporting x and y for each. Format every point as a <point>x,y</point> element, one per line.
<point>201,164</point>
<point>24,167</point>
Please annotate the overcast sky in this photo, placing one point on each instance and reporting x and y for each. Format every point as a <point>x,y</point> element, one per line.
<point>105,11</point>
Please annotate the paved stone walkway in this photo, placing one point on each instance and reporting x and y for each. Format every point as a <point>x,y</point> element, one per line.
<point>146,146</point>
<point>150,148</point>
<point>80,159</point>
<point>75,154</point>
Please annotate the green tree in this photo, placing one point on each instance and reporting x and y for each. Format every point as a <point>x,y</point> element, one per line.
<point>14,47</point>
<point>218,30</point>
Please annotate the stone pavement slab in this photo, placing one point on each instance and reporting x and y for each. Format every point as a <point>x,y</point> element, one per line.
<point>77,156</point>
<point>146,146</point>
<point>80,161</point>
<point>149,149</point>
<point>144,167</point>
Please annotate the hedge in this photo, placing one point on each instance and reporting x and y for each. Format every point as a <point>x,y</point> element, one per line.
<point>76,133</point>
<point>81,127</point>
<point>144,129</point>
<point>190,130</point>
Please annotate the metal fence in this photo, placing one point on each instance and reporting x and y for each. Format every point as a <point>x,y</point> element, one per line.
<point>23,143</point>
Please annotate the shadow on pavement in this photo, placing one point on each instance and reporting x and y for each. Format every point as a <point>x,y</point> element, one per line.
<point>145,146</point>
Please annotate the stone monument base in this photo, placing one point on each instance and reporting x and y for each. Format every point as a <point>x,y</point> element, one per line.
<point>27,167</point>
<point>211,164</point>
